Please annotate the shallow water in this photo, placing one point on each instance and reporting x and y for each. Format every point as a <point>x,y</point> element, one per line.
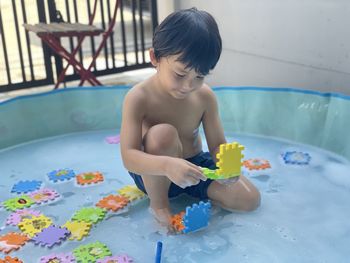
<point>304,214</point>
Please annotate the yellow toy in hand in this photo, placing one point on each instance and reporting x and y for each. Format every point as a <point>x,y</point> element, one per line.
<point>229,162</point>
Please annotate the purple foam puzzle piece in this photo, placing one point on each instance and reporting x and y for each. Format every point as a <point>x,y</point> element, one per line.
<point>16,217</point>
<point>113,139</point>
<point>51,236</point>
<point>60,257</point>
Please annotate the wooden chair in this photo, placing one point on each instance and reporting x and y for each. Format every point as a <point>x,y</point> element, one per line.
<point>52,32</point>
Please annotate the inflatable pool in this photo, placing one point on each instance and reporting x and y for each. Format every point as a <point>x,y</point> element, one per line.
<point>60,162</point>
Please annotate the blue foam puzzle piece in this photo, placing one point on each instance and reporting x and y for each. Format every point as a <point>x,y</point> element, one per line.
<point>61,175</point>
<point>197,216</point>
<point>297,158</point>
<point>26,186</point>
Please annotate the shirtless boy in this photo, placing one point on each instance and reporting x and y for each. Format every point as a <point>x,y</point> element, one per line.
<point>160,143</point>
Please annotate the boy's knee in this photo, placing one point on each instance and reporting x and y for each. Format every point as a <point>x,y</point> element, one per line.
<point>249,202</point>
<point>162,139</point>
<point>252,201</point>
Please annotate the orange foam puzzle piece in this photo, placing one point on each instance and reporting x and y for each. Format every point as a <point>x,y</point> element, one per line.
<point>89,178</point>
<point>12,241</point>
<point>177,221</point>
<point>9,259</point>
<point>113,202</point>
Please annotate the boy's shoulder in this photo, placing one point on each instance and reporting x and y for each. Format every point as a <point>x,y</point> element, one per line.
<point>206,93</point>
<point>139,91</point>
<point>206,90</point>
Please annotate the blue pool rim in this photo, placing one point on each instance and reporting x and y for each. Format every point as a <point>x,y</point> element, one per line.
<point>219,88</point>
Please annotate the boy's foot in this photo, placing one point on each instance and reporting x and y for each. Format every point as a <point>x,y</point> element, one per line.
<point>163,216</point>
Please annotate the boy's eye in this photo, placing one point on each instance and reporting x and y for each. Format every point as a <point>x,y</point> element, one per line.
<point>179,75</point>
<point>200,77</point>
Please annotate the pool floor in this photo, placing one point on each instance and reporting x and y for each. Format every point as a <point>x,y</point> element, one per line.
<point>304,214</point>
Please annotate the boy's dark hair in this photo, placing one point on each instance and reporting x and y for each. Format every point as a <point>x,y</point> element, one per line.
<point>192,33</point>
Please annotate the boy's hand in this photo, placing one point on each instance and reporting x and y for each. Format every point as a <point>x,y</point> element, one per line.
<point>183,173</point>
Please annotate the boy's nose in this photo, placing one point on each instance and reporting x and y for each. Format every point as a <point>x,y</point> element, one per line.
<point>187,87</point>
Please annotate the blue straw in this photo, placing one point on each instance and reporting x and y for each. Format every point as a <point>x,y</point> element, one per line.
<point>159,251</point>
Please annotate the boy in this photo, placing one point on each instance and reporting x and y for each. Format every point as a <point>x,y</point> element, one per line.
<point>160,143</point>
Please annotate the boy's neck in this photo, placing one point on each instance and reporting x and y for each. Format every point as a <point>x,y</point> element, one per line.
<point>158,88</point>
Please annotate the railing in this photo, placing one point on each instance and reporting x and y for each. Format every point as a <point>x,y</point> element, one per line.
<point>26,62</point>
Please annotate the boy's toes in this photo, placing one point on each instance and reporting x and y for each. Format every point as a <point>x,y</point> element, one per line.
<point>162,215</point>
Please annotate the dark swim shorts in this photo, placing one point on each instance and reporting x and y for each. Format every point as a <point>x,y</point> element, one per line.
<point>202,159</point>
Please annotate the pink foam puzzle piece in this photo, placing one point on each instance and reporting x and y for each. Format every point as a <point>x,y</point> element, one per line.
<point>113,139</point>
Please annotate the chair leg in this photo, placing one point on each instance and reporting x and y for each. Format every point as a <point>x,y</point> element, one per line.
<point>78,67</point>
<point>105,36</point>
<point>63,72</point>
<point>104,39</point>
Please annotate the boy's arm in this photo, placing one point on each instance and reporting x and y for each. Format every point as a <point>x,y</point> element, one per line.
<point>134,159</point>
<point>213,130</point>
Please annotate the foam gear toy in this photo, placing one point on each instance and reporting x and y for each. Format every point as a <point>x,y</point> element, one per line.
<point>297,158</point>
<point>16,217</point>
<point>211,174</point>
<point>34,225</point>
<point>195,218</point>
<point>17,203</point>
<point>23,187</point>
<point>12,241</point>
<point>44,195</point>
<point>116,259</point>
<point>113,202</point>
<point>61,175</point>
<point>229,162</point>
<point>256,164</point>
<point>131,192</point>
<point>91,252</point>
<point>58,258</point>
<point>177,222</point>
<point>9,259</point>
<point>78,230</point>
<point>89,214</point>
<point>51,236</point>
<point>89,178</point>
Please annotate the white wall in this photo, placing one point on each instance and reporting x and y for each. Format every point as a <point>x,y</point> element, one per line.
<point>165,7</point>
<point>280,43</point>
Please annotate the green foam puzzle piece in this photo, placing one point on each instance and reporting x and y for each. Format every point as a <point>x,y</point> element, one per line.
<point>91,252</point>
<point>89,214</point>
<point>212,174</point>
<point>16,203</point>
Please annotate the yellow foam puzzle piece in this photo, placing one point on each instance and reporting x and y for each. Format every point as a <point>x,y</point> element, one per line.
<point>78,229</point>
<point>34,225</point>
<point>131,192</point>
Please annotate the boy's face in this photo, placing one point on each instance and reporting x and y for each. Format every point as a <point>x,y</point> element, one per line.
<point>178,81</point>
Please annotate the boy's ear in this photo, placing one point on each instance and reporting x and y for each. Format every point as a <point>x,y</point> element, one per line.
<point>153,58</point>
